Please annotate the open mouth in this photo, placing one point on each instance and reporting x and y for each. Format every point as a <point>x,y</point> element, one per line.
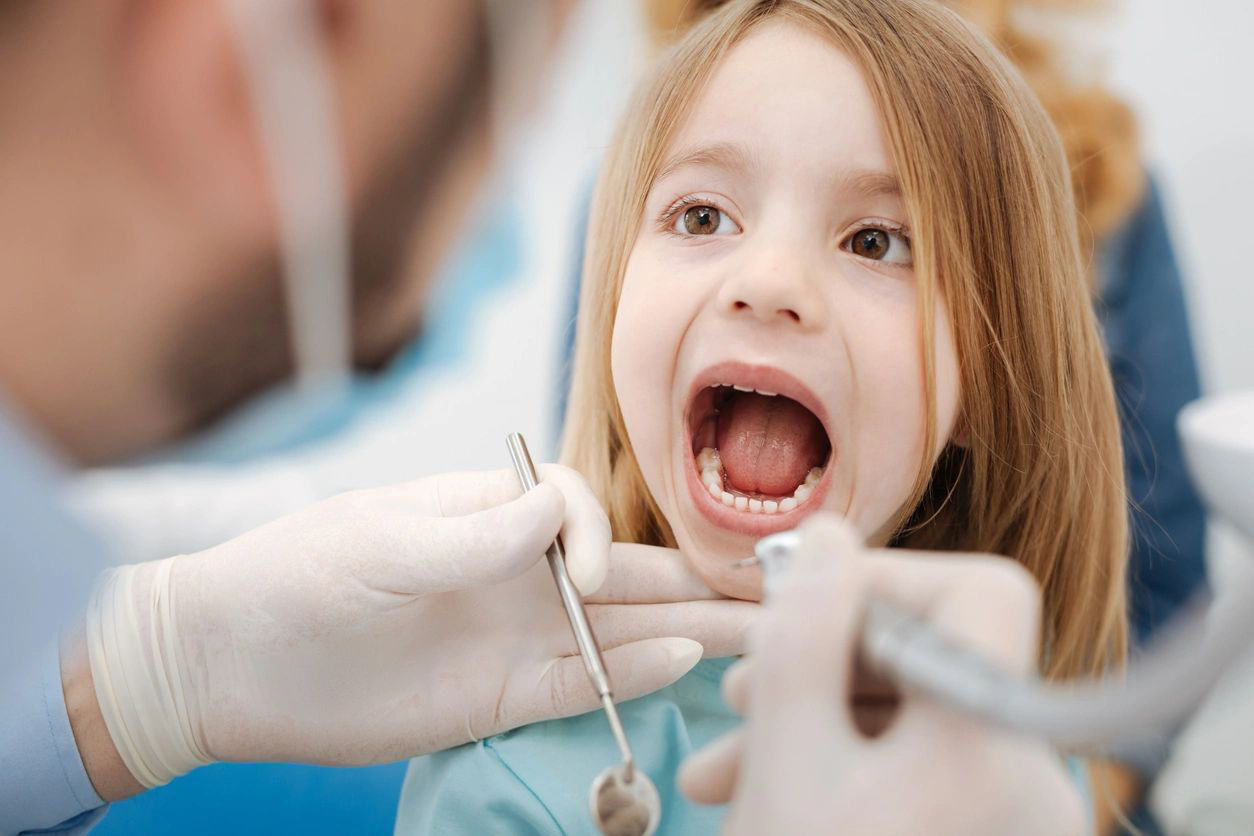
<point>759,450</point>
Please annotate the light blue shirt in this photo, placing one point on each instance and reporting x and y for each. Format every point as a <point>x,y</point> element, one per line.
<point>47,563</point>
<point>536,779</point>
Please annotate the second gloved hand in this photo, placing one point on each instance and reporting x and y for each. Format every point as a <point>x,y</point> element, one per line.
<point>804,764</point>
<point>383,624</point>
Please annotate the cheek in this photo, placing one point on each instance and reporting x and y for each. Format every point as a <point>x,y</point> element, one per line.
<point>647,331</point>
<point>897,358</point>
<point>891,410</point>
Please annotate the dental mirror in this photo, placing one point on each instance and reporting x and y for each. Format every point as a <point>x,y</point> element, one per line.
<point>623,800</point>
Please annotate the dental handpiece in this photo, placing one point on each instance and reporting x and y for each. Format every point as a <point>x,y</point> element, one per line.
<point>1118,713</point>
<point>594,664</point>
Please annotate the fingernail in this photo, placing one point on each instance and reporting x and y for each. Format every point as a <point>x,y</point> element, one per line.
<point>683,654</point>
<point>587,583</point>
<point>824,537</point>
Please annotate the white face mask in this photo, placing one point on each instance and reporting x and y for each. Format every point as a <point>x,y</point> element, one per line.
<point>295,113</point>
<point>518,36</point>
<point>294,108</point>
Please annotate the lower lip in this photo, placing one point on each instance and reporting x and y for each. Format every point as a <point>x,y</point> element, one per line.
<point>745,522</point>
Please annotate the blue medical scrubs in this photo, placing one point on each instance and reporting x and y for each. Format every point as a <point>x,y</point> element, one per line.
<point>47,563</point>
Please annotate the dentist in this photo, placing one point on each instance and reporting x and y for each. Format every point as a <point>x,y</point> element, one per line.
<point>199,201</point>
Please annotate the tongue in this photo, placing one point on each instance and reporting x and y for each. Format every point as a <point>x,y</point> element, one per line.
<point>768,445</point>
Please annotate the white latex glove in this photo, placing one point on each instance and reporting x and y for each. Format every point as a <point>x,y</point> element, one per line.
<point>800,765</point>
<point>387,623</point>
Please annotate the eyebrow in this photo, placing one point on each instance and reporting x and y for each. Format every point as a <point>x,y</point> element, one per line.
<point>866,182</point>
<point>722,155</point>
<point>869,183</point>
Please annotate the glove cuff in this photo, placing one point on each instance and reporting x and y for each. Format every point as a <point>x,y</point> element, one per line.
<point>139,673</point>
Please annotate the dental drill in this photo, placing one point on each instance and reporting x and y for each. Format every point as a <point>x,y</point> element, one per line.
<point>1117,713</point>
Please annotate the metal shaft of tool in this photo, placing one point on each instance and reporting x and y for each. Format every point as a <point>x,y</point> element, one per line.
<point>593,663</point>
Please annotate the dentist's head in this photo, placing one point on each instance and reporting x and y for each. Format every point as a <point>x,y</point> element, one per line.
<point>202,198</point>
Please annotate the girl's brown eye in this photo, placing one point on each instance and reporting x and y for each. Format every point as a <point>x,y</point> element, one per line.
<point>882,245</point>
<point>870,243</point>
<point>701,220</point>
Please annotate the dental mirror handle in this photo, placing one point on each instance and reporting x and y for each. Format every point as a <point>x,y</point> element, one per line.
<point>594,664</point>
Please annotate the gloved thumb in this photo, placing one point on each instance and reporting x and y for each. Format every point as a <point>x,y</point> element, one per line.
<point>709,776</point>
<point>489,546</point>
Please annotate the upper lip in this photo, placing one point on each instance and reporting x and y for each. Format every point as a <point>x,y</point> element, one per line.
<point>762,378</point>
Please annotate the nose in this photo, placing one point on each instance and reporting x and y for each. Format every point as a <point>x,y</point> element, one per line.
<point>775,291</point>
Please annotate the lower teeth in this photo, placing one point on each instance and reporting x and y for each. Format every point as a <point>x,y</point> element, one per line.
<point>711,467</point>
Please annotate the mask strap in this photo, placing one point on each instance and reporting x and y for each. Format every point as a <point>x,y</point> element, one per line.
<point>518,34</point>
<point>293,107</point>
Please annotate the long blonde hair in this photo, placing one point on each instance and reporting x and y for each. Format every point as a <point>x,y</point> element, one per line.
<point>1039,477</point>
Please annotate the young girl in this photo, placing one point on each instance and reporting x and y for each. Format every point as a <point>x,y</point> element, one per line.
<point>833,263</point>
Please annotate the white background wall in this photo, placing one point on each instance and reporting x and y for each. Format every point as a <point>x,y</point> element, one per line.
<point>1188,68</point>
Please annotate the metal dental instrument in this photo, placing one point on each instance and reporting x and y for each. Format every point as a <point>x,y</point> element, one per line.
<point>623,800</point>
<point>1122,713</point>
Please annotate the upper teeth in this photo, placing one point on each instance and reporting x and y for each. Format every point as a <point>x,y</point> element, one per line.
<point>740,388</point>
<point>711,467</point>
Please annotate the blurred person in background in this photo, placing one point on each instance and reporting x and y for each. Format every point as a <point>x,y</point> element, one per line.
<point>1140,300</point>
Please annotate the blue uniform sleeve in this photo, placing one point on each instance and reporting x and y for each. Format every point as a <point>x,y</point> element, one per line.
<point>1151,355</point>
<point>43,785</point>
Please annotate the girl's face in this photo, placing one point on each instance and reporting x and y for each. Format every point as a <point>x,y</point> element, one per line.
<point>766,350</point>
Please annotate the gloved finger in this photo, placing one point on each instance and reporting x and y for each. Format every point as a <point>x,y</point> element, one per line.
<point>722,627</point>
<point>736,686</point>
<point>805,645</point>
<point>871,692</point>
<point>585,530</point>
<point>636,669</point>
<point>640,574</point>
<point>482,548</point>
<point>825,537</point>
<point>458,494</point>
<point>709,775</point>
<point>991,604</point>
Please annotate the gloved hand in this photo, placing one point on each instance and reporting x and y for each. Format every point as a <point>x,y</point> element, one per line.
<point>387,623</point>
<point>800,764</point>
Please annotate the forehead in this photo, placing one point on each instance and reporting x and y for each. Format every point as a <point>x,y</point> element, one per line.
<point>785,93</point>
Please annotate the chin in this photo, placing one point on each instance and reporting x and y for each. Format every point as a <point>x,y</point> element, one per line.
<point>725,579</point>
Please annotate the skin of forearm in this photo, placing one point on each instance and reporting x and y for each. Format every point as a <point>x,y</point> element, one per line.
<point>108,774</point>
